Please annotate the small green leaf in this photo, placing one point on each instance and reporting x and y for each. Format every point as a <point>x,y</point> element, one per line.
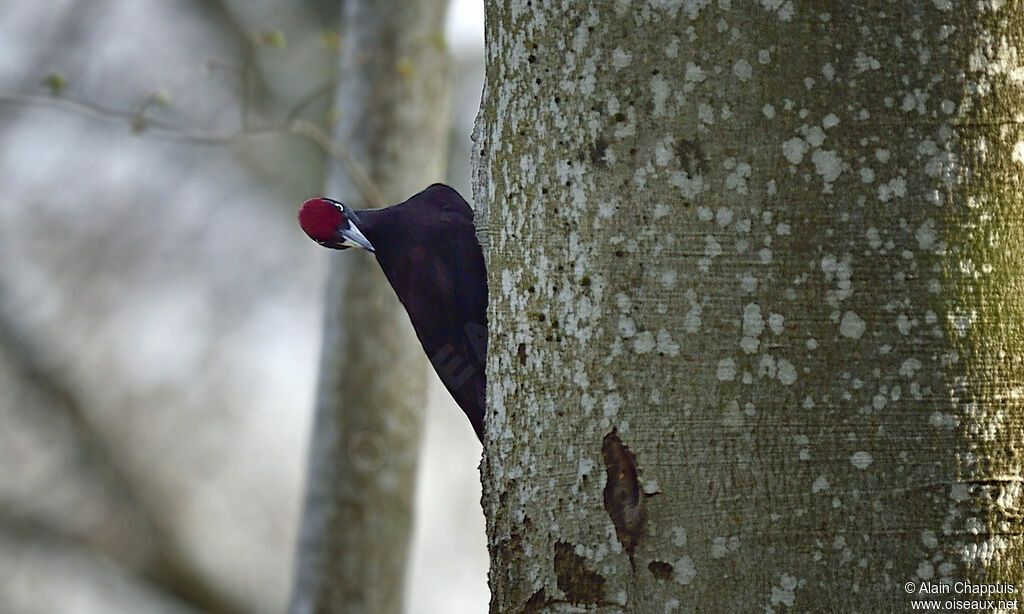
<point>405,69</point>
<point>439,41</point>
<point>56,82</point>
<point>332,39</point>
<point>160,98</point>
<point>273,38</point>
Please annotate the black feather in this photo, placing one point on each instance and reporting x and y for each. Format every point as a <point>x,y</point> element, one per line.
<point>428,250</point>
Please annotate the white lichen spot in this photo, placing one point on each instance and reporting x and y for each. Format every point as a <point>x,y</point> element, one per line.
<point>672,50</point>
<point>794,150</point>
<point>861,459</point>
<point>785,592</point>
<point>667,345</point>
<point>627,128</point>
<point>743,69</point>
<point>586,465</point>
<point>782,229</point>
<point>1018,152</point>
<point>867,174</point>
<point>643,342</point>
<point>627,327</point>
<point>874,238</point>
<point>705,113</point>
<point>660,91</point>
<point>942,420</point>
<point>692,8</point>
<point>663,151</point>
<point>723,216</point>
<point>819,484</point>
<point>943,5</point>
<point>827,163</point>
<point>830,121</point>
<point>925,570</point>
<point>863,62</point>
<point>753,324</point>
<point>621,59</point>
<point>712,248</point>
<point>732,417</point>
<point>926,234</point>
<point>814,135</point>
<point>721,546</point>
<point>910,367</point>
<point>903,324</point>
<point>929,539</point>
<point>852,325</point>
<point>776,322</point>
<point>895,188</point>
<point>726,370</point>
<point>764,56</point>
<point>692,321</point>
<point>768,110</point>
<point>786,372</point>
<point>783,8</point>
<point>668,278</point>
<point>685,571</point>
<point>694,74</point>
<point>689,187</point>
<point>748,283</point>
<point>737,180</point>
<point>611,404</point>
<point>679,536</point>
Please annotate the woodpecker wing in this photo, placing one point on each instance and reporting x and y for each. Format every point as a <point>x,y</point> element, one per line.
<point>427,248</point>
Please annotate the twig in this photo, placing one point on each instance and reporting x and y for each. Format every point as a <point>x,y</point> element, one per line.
<point>363,182</point>
<point>162,130</point>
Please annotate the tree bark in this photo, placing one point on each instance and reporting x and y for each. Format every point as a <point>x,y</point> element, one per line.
<point>757,310</point>
<point>358,513</point>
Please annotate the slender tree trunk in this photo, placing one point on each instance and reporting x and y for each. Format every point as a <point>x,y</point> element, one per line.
<point>757,315</point>
<point>357,522</point>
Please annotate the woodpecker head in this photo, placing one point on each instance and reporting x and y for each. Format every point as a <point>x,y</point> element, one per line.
<point>332,224</point>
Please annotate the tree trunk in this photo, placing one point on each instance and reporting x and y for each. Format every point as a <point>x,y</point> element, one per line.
<point>757,315</point>
<point>357,521</point>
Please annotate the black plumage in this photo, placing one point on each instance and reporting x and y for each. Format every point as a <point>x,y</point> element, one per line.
<point>428,250</point>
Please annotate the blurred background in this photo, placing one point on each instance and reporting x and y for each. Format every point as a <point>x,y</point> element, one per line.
<point>160,310</point>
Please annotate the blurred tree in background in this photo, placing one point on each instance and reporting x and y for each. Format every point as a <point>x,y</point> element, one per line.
<point>160,312</point>
<point>358,514</point>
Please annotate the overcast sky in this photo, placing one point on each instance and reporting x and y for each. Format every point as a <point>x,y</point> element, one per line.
<point>466,23</point>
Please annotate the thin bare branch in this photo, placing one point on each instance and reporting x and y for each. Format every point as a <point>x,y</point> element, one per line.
<point>139,123</point>
<point>319,136</point>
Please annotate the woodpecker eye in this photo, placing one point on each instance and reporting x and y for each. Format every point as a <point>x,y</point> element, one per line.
<point>321,218</point>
